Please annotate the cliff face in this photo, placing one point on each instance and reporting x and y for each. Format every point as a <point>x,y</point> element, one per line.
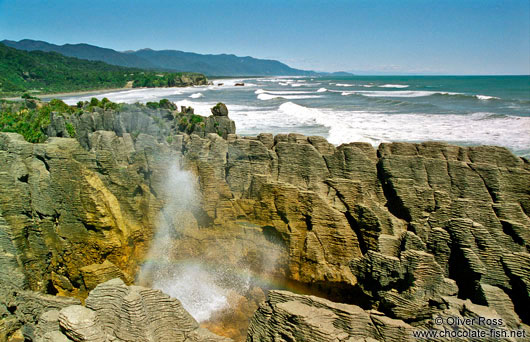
<point>404,229</point>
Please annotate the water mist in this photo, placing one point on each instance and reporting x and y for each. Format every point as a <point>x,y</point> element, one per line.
<point>201,288</point>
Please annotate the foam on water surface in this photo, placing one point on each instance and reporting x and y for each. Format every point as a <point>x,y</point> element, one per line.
<point>265,97</point>
<point>394,86</point>
<point>292,92</point>
<point>373,109</point>
<point>395,93</point>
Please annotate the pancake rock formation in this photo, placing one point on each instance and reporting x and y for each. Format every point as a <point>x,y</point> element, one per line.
<point>404,232</point>
<point>116,312</point>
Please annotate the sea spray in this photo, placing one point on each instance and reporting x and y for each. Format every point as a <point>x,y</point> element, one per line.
<point>180,197</point>
<point>202,288</point>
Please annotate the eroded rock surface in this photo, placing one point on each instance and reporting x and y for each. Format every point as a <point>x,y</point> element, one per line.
<point>116,312</point>
<point>288,317</point>
<point>396,229</point>
<point>20,310</point>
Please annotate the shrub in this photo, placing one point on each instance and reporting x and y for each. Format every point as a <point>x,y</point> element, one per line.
<point>195,119</point>
<point>71,130</point>
<point>27,96</point>
<point>94,102</point>
<point>112,105</point>
<point>103,102</point>
<point>59,106</point>
<point>153,105</point>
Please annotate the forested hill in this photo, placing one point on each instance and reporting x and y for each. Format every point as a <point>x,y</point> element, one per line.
<point>168,60</point>
<point>49,72</point>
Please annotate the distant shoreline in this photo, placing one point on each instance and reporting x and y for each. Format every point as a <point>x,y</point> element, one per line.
<point>111,90</point>
<point>85,92</point>
<point>73,93</point>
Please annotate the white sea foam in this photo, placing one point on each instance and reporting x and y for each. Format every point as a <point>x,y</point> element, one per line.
<point>306,84</point>
<point>479,128</point>
<point>129,96</point>
<point>265,97</point>
<point>411,93</point>
<point>303,114</point>
<point>277,79</point>
<point>344,85</point>
<point>282,92</point>
<point>345,126</point>
<point>396,93</point>
<point>394,86</point>
<point>375,127</point>
<point>486,97</point>
<point>201,108</point>
<point>196,95</point>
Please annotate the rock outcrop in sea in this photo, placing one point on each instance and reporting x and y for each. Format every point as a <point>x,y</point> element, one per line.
<point>392,237</point>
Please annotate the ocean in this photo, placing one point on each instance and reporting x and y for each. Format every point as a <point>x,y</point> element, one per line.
<point>462,110</point>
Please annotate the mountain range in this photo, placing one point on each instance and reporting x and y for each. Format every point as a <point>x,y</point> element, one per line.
<point>171,60</point>
<point>42,72</point>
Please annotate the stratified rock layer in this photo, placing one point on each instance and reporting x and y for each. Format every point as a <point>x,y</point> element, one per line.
<point>20,310</point>
<point>288,317</point>
<point>395,229</point>
<point>116,312</point>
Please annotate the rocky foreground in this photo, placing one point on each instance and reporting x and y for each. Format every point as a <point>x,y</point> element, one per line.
<point>394,238</point>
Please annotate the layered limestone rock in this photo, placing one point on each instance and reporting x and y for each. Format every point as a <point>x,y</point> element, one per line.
<point>116,312</point>
<point>396,229</point>
<point>286,316</point>
<point>65,208</point>
<point>162,122</point>
<point>20,310</point>
<point>99,273</point>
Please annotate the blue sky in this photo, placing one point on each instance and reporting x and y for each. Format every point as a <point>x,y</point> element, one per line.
<point>369,36</point>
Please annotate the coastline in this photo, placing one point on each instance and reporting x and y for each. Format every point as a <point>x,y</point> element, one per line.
<point>73,93</point>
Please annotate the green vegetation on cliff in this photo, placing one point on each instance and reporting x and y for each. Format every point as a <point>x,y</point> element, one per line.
<point>50,72</point>
<point>36,120</point>
<point>29,118</point>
